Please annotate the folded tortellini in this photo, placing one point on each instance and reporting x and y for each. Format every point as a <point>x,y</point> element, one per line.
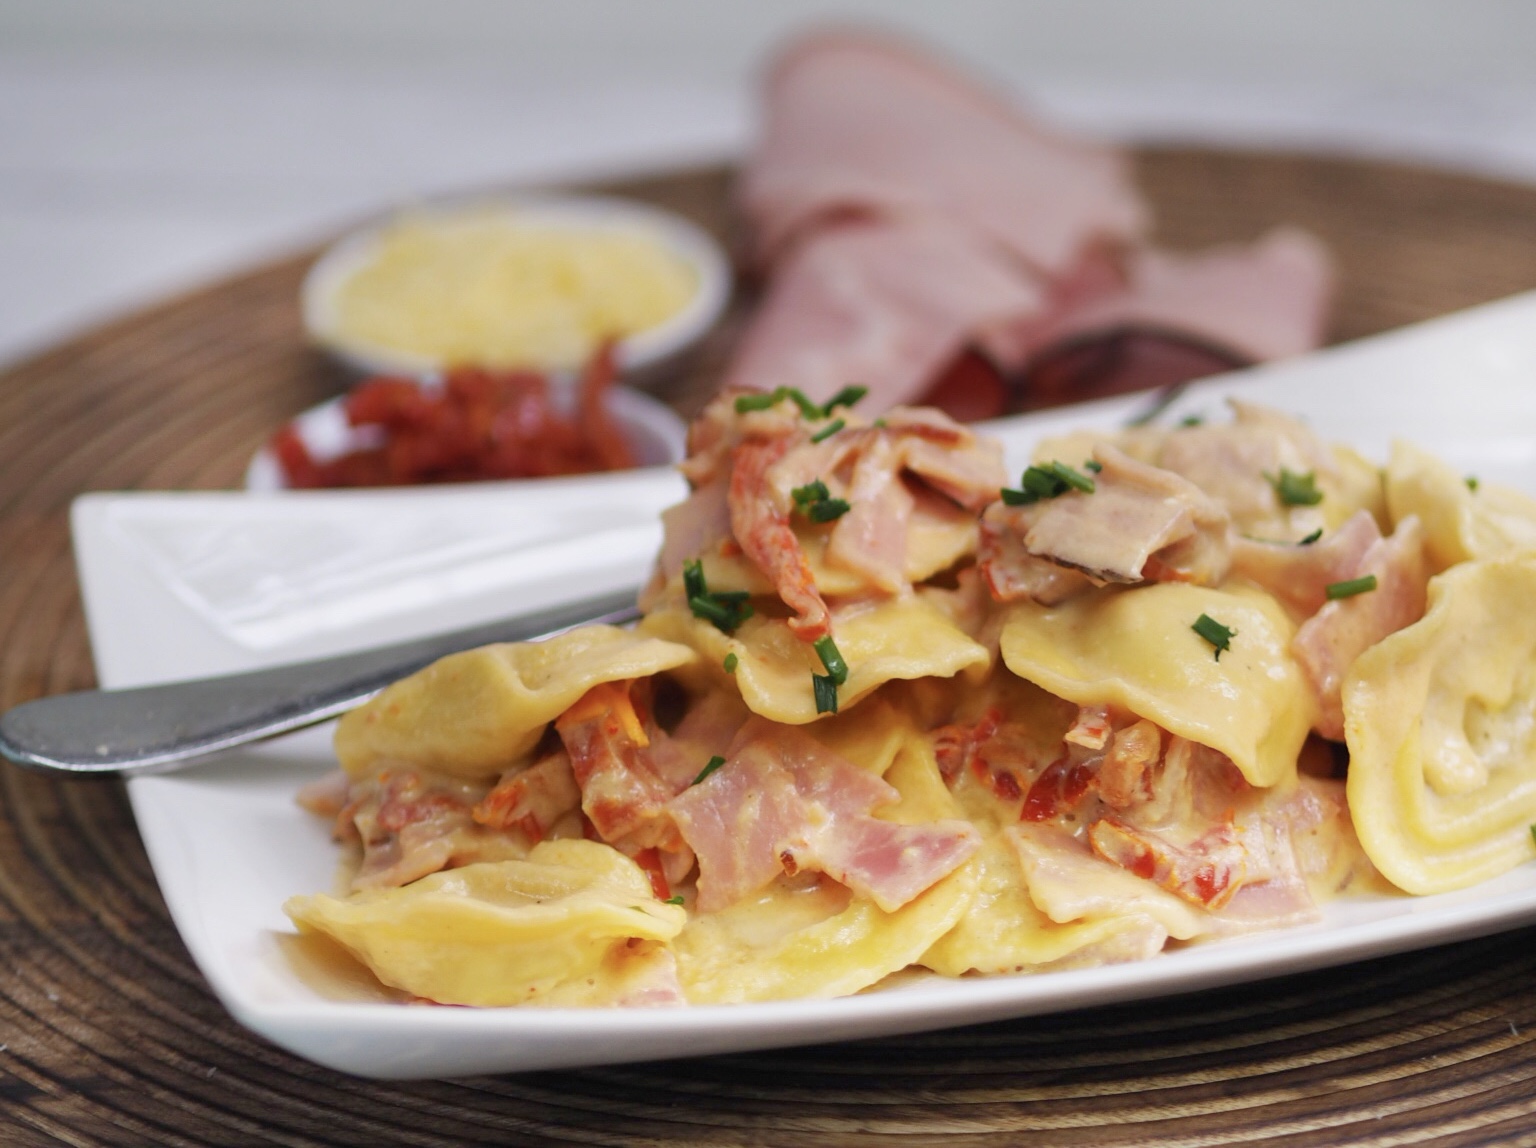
<point>1462,520</point>
<point>888,640</point>
<point>1136,649</point>
<point>472,715</point>
<point>503,932</point>
<point>1441,723</point>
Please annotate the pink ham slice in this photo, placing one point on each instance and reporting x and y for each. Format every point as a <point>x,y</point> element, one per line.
<point>1140,523</point>
<point>1299,575</point>
<point>783,803</point>
<point>1264,300</point>
<point>762,529</point>
<point>1329,642</point>
<point>881,305</point>
<point>860,126</point>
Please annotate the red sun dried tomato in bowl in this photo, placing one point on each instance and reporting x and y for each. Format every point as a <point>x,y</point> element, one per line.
<point>475,424</point>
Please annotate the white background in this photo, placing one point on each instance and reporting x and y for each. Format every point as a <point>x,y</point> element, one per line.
<point>146,145</point>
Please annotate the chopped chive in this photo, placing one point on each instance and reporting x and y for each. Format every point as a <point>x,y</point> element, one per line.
<point>1471,481</point>
<point>1533,833</point>
<point>724,609</point>
<point>814,491</point>
<point>704,606</point>
<point>1294,489</point>
<point>815,501</point>
<point>693,578</point>
<point>746,403</point>
<point>827,509</point>
<point>1075,479</point>
<point>1336,590</point>
<point>832,658</point>
<point>1192,421</point>
<point>675,900</point>
<point>1047,481</point>
<point>713,764</point>
<point>880,423</point>
<point>846,397</point>
<point>828,431</point>
<point>1311,538</point>
<point>731,662</point>
<point>761,402</point>
<point>807,408</point>
<point>826,693</point>
<point>1215,633</point>
<point>1094,465</point>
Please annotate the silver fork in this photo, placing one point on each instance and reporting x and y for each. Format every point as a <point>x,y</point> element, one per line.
<point>158,728</point>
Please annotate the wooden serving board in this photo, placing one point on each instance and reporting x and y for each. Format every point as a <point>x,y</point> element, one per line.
<point>108,1034</point>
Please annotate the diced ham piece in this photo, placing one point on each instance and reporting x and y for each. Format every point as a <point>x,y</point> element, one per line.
<point>1011,572</point>
<point>762,529</point>
<point>410,825</point>
<point>882,305</point>
<point>1126,769</point>
<point>622,792</point>
<point>1206,872</point>
<point>1328,643</point>
<point>1139,523</point>
<point>871,538</point>
<point>697,524</point>
<point>1300,575</point>
<point>958,464</point>
<point>532,799</point>
<point>784,803</point>
<point>859,126</point>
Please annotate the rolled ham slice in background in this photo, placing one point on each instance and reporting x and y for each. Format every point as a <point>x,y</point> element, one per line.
<point>883,305</point>
<point>923,238</point>
<point>856,125</point>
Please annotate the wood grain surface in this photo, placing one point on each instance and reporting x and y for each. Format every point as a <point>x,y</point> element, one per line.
<point>108,1034</point>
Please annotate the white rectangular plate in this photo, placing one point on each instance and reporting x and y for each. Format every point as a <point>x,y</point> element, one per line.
<point>182,585</point>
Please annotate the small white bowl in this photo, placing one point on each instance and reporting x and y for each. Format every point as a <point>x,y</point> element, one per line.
<point>635,355</point>
<point>654,432</point>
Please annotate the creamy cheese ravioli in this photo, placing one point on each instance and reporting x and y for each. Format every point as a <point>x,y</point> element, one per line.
<point>891,710</point>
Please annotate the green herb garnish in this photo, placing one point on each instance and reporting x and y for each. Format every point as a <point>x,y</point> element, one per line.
<point>1094,465</point>
<point>1294,489</point>
<point>828,431</point>
<point>815,501</point>
<point>724,609</point>
<point>730,662</point>
<point>1047,481</point>
<point>846,397</point>
<point>826,649</point>
<point>1311,538</point>
<point>1471,481</point>
<point>676,900</point>
<point>713,764</point>
<point>762,402</point>
<point>1336,590</point>
<point>1215,633</point>
<point>826,693</point>
<point>1191,421</point>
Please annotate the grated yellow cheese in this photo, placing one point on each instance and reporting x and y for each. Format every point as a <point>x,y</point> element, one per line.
<point>488,289</point>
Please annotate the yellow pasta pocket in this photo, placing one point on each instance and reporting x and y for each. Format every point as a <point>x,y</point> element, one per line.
<point>1441,723</point>
<point>473,714</point>
<point>499,933</point>
<point>895,639</point>
<point>1460,523</point>
<point>1137,649</point>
